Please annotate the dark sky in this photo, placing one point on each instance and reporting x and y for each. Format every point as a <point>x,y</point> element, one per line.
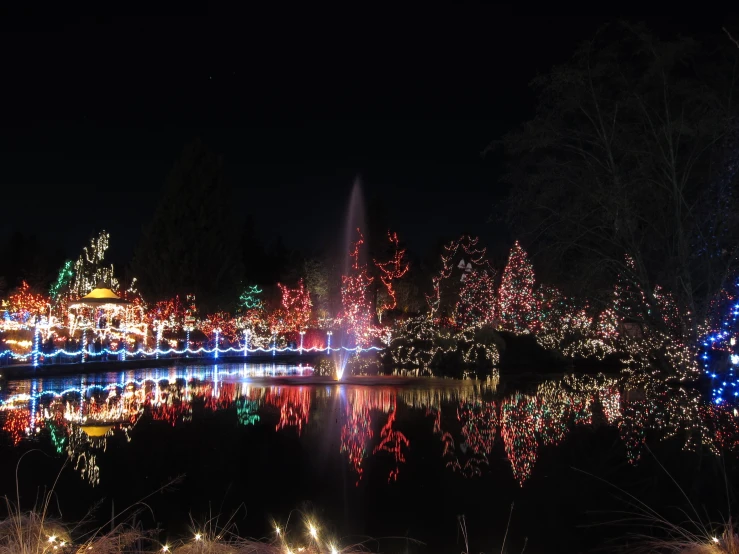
<point>96,111</point>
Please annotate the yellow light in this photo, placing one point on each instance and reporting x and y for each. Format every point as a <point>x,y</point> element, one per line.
<point>288,551</point>
<point>52,538</point>
<point>198,536</point>
<point>165,548</point>
<point>333,549</point>
<point>715,539</point>
<point>313,531</point>
<point>277,530</point>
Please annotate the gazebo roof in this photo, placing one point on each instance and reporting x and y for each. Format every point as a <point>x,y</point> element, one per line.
<point>100,296</point>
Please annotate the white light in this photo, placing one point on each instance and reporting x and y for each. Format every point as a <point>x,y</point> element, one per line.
<point>165,548</point>
<point>277,530</point>
<point>333,549</point>
<point>734,359</point>
<point>198,536</point>
<point>715,540</point>
<point>313,531</point>
<point>52,538</point>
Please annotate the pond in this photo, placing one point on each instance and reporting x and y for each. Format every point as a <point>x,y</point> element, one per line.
<point>547,465</point>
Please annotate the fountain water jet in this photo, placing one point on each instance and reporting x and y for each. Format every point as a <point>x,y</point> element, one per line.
<point>354,220</point>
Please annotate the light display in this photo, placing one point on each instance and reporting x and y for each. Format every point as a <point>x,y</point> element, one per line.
<point>355,299</point>
<point>356,432</point>
<point>518,306</point>
<point>222,323</point>
<point>476,304</point>
<point>390,271</point>
<point>170,313</point>
<point>295,312</point>
<point>419,344</point>
<point>89,269</point>
<point>517,428</point>
<point>249,298</point>
<point>24,305</point>
<point>81,421</point>
<point>474,257</point>
<point>66,273</point>
<point>393,442</point>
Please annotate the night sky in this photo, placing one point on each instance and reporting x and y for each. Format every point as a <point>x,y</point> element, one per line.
<point>96,111</point>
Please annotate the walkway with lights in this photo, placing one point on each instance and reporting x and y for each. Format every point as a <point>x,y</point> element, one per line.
<point>63,361</point>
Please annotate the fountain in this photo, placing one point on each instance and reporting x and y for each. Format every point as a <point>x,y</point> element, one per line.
<point>354,221</point>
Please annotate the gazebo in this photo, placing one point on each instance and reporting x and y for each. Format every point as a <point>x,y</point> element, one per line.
<point>100,298</point>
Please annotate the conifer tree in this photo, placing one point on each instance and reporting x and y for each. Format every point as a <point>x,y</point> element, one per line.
<point>517,302</point>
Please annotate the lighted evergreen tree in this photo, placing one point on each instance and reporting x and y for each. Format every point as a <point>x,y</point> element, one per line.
<point>476,305</point>
<point>518,305</point>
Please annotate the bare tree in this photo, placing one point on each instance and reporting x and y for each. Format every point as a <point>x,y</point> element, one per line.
<point>632,152</point>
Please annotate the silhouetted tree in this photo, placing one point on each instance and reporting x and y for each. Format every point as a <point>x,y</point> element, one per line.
<point>633,151</point>
<point>191,246</point>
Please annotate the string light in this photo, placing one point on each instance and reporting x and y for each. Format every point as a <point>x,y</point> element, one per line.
<point>519,309</point>
<point>390,271</point>
<point>356,304</point>
<point>476,305</point>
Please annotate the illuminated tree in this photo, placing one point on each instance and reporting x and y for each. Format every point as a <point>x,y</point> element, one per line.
<point>518,306</point>
<point>221,322</point>
<point>295,310</point>
<point>89,269</point>
<point>169,312</point>
<point>390,271</point>
<point>476,305</point>
<point>249,298</point>
<point>64,278</point>
<point>459,257</point>
<point>355,301</point>
<point>24,305</point>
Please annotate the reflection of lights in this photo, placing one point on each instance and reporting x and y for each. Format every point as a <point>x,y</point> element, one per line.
<point>79,422</point>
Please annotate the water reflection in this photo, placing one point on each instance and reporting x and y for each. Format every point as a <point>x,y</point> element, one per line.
<point>469,419</point>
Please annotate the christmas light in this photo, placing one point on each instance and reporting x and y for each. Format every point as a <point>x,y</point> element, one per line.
<point>476,305</point>
<point>390,271</point>
<point>394,442</point>
<point>355,301</point>
<point>519,310</point>
<point>474,257</point>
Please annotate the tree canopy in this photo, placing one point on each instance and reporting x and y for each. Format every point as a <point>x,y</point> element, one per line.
<point>191,246</point>
<point>633,152</point>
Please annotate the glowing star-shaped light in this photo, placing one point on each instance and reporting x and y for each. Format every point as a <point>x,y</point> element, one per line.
<point>313,531</point>
<point>198,536</point>
<point>734,359</point>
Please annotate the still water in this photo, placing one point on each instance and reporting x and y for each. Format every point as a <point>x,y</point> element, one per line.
<point>389,458</point>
